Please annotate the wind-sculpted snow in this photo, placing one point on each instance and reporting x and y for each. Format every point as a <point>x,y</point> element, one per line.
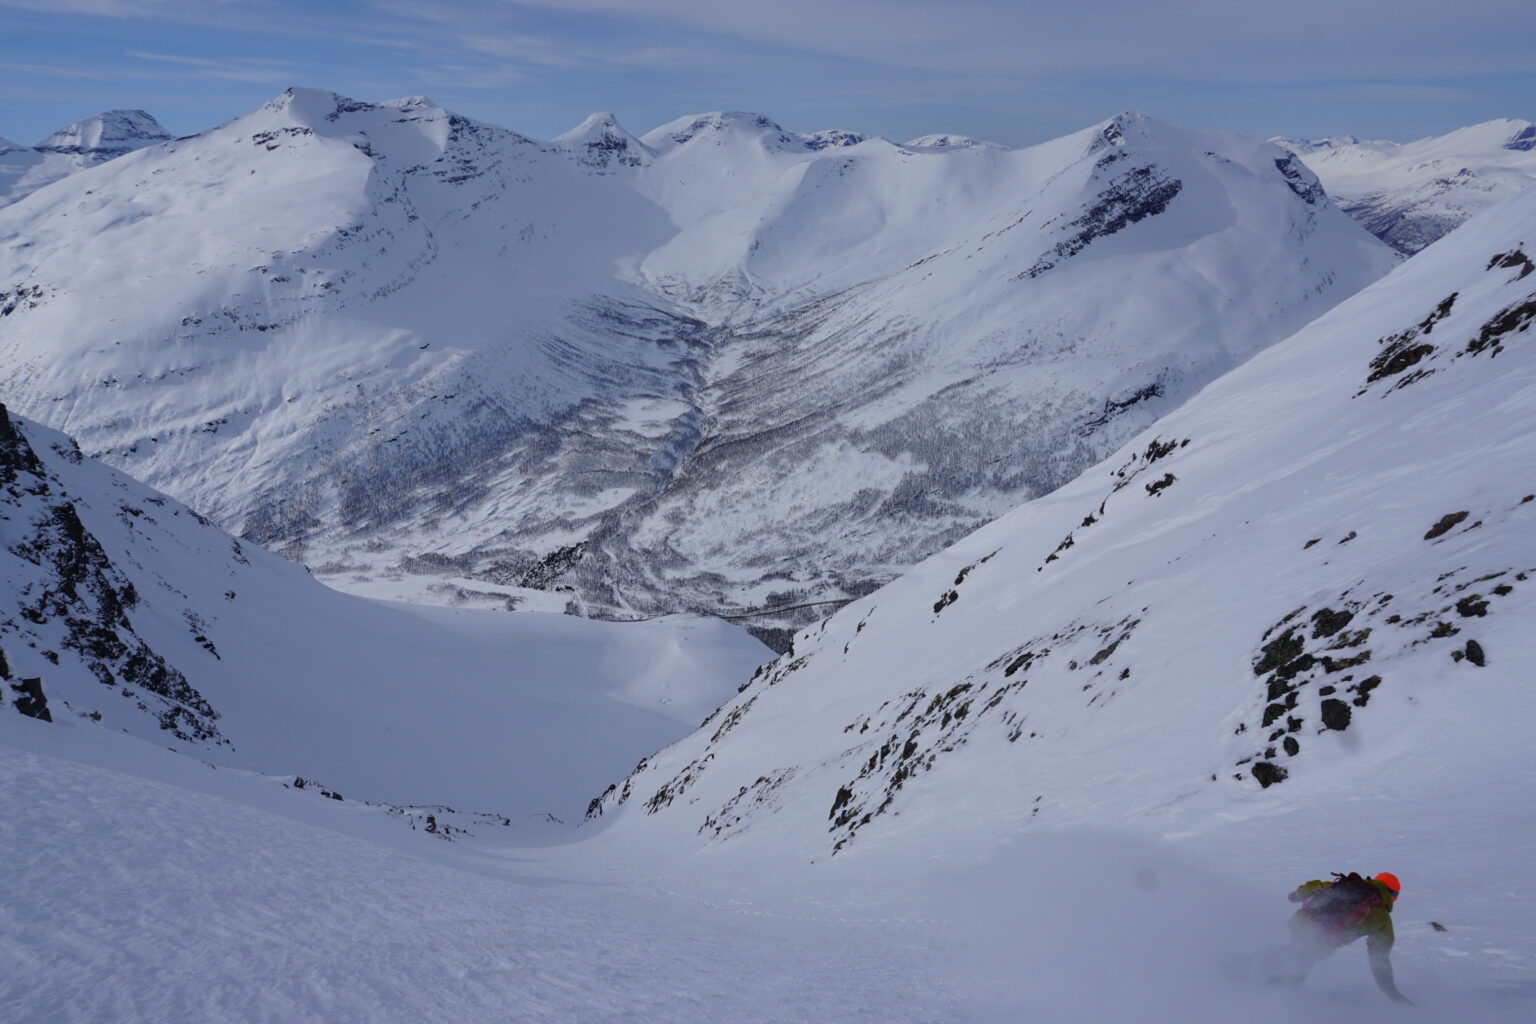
<point>725,367</point>
<point>1410,194</point>
<point>1311,576</point>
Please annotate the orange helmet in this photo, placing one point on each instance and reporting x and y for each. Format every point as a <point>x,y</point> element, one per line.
<point>1389,880</point>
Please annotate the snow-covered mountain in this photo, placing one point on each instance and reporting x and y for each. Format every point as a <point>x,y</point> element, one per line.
<point>1409,194</point>
<point>138,614</point>
<point>1310,587</point>
<point>723,366</point>
<point>85,143</point>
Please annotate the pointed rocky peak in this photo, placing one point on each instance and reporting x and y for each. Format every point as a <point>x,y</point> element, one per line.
<point>106,135</point>
<point>600,142</point>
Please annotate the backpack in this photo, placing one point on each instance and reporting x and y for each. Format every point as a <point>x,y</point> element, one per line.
<point>1346,901</point>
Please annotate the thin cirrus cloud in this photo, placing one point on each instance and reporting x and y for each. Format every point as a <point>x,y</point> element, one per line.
<point>1221,39</point>
<point>1014,70</point>
<point>232,70</point>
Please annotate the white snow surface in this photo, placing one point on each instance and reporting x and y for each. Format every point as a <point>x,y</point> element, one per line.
<point>85,143</point>
<point>1409,194</point>
<point>128,605</point>
<point>717,367</point>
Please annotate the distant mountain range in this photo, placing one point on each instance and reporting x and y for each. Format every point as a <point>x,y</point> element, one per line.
<point>1410,194</point>
<point>97,139</point>
<point>720,367</point>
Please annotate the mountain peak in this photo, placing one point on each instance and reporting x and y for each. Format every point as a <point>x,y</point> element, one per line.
<point>946,140</point>
<point>107,134</point>
<point>600,142</point>
<point>721,124</point>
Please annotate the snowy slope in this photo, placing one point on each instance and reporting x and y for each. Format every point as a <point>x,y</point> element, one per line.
<point>140,615</point>
<point>1409,194</point>
<point>921,340</point>
<point>1306,592</point>
<point>86,143</point>
<point>720,367</point>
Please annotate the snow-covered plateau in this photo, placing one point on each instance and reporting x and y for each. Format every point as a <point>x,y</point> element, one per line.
<point>719,367</point>
<point>1409,194</point>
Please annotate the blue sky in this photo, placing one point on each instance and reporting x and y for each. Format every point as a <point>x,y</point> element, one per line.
<point>1015,72</point>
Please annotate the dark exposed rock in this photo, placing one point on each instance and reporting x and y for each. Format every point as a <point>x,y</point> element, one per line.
<point>1475,653</point>
<point>1336,714</point>
<point>30,700</point>
<point>1130,198</point>
<point>1472,606</point>
<point>1283,648</point>
<point>1445,525</point>
<point>1292,748</point>
<point>1363,689</point>
<point>1267,774</point>
<point>1510,320</point>
<point>1327,622</point>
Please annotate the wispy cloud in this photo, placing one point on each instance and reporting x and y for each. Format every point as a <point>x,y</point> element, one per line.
<point>240,69</point>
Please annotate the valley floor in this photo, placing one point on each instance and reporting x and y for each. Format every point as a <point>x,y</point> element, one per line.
<point>142,885</point>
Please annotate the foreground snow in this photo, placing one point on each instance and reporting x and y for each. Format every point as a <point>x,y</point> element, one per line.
<point>142,886</point>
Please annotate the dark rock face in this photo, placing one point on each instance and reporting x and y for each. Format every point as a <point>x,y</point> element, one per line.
<point>1267,774</point>
<point>80,590</point>
<point>1128,199</point>
<point>1446,523</point>
<point>1336,714</point>
<point>1475,653</point>
<point>30,700</point>
<point>1306,187</point>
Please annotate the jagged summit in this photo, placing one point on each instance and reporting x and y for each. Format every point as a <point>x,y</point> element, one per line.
<point>106,135</point>
<point>600,142</point>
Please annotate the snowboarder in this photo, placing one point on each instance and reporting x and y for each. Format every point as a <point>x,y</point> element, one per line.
<point>1334,914</point>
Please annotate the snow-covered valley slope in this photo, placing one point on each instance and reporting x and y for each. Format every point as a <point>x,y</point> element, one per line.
<point>1409,194</point>
<point>718,367</point>
<point>138,614</point>
<point>85,143</point>
<point>1307,589</point>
